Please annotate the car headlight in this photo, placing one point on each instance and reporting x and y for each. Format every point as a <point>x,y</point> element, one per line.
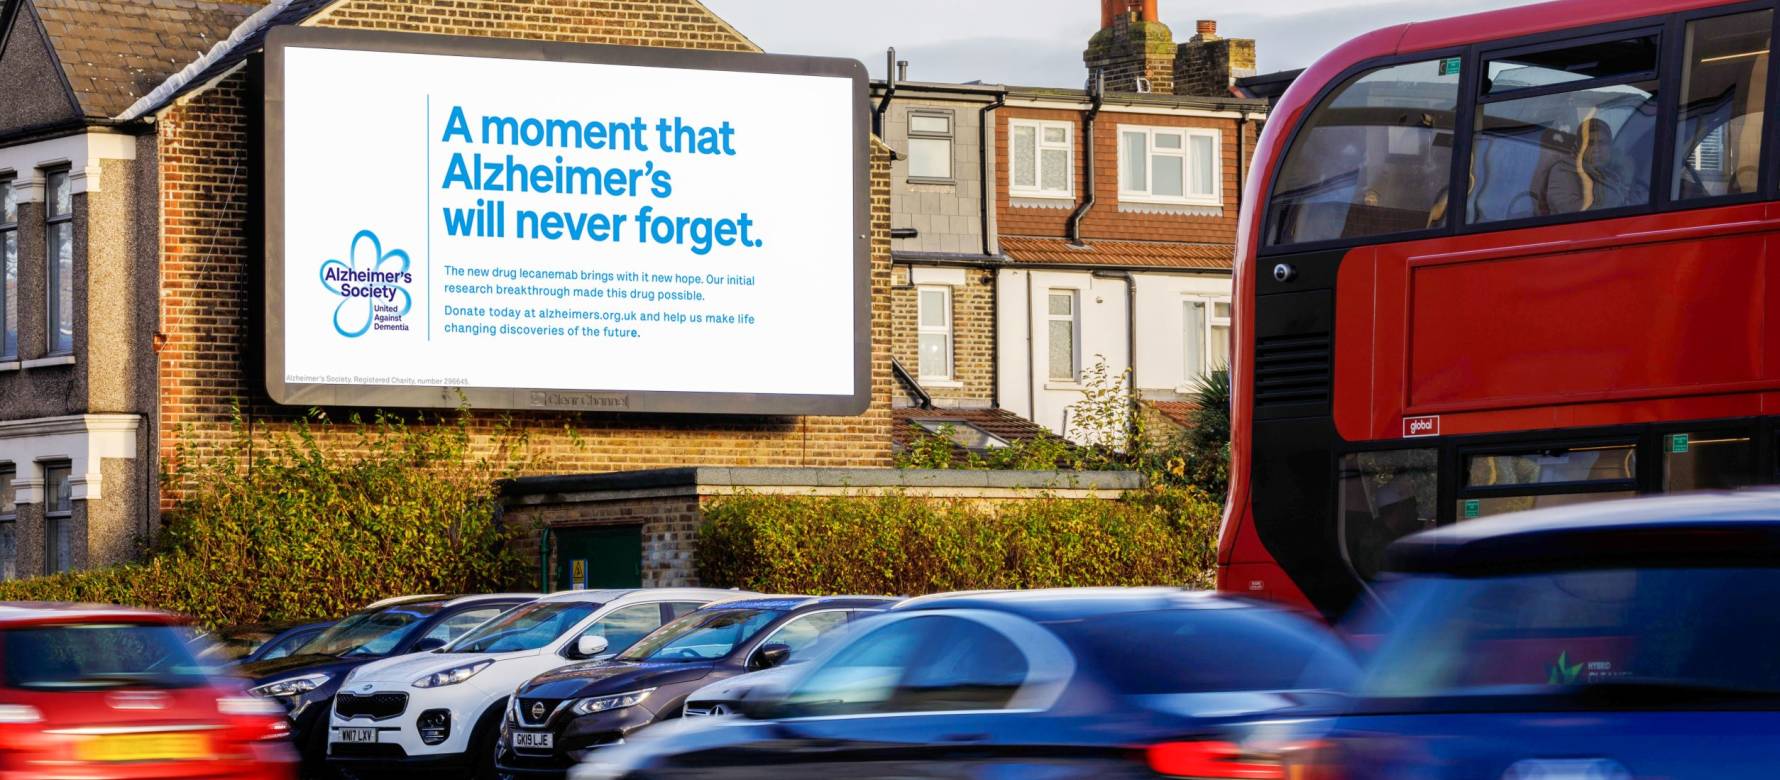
<point>453,675</point>
<point>290,686</point>
<point>247,705</point>
<point>615,702</point>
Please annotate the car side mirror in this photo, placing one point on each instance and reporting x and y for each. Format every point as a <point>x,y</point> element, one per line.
<point>772,655</point>
<point>590,646</point>
<point>428,644</point>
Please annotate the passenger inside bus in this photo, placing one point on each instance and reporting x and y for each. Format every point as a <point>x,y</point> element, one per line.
<point>1597,177</point>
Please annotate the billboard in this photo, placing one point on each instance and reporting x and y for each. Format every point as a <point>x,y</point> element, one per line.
<point>529,225</point>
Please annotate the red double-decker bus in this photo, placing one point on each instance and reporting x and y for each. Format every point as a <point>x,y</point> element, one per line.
<point>1497,262</point>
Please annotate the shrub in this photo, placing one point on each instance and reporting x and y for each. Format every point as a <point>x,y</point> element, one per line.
<point>283,528</point>
<point>898,544</point>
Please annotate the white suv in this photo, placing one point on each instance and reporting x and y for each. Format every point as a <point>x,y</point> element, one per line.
<point>443,708</point>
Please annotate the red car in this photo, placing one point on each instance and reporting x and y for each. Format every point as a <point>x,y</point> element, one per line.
<point>107,692</point>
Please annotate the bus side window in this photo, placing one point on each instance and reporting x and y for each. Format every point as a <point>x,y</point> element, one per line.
<point>1590,148</point>
<point>1723,93</point>
<point>1373,159</point>
<point>1384,497</point>
<point>1707,461</point>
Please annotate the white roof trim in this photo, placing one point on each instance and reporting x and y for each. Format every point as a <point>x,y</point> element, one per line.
<point>178,81</point>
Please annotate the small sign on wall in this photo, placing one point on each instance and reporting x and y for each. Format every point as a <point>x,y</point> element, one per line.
<point>578,574</point>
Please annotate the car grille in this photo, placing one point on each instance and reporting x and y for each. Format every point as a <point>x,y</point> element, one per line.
<point>377,706</point>
<point>529,711</point>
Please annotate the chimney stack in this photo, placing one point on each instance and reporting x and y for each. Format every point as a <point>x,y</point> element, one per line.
<point>1133,48</point>
<point>1208,66</point>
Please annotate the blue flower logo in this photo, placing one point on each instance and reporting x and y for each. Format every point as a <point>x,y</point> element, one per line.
<point>357,310</point>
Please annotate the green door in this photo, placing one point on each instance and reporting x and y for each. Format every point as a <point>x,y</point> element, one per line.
<point>605,557</point>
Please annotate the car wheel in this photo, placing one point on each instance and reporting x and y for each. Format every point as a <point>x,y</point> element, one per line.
<point>485,741</point>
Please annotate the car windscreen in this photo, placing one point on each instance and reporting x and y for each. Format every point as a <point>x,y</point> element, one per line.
<point>1585,636</point>
<point>374,632</point>
<point>81,656</point>
<point>701,636</point>
<point>525,627</point>
<point>1209,650</point>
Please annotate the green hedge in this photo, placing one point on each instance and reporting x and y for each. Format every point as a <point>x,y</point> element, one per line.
<point>898,544</point>
<point>316,521</point>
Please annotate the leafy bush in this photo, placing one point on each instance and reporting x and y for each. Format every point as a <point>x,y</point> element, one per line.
<point>316,521</point>
<point>897,544</point>
<point>1206,445</point>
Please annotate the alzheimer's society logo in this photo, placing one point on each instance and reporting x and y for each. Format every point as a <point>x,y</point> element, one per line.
<point>372,285</point>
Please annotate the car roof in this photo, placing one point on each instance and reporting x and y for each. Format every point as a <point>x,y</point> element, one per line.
<point>791,603</point>
<point>1697,529</point>
<point>33,613</point>
<point>612,595</point>
<point>480,597</point>
<point>1064,603</point>
<point>396,600</point>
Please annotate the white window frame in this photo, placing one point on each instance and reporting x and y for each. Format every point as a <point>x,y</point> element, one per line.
<point>949,136</point>
<point>923,329</point>
<point>1038,138</point>
<point>1075,325</point>
<point>52,269</point>
<point>1212,323</point>
<point>57,520</point>
<point>1184,154</point>
<point>9,232</point>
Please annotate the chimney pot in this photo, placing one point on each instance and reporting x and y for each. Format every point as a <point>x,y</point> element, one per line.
<point>1208,28</point>
<point>902,70</point>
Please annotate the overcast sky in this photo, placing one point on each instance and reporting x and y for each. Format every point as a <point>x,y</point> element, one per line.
<point>1040,42</point>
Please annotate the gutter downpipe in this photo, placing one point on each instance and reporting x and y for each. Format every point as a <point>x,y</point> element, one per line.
<point>1241,133</point>
<point>1097,88</point>
<point>877,117</point>
<point>989,192</point>
<point>986,137</point>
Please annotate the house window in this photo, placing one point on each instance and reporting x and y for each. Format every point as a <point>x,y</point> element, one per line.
<point>935,329</point>
<point>930,145</point>
<point>9,258</point>
<point>1065,330</point>
<point>1041,158</point>
<point>58,239</point>
<point>1168,165</point>
<point>9,527</point>
<point>58,514</point>
<point>1207,336</point>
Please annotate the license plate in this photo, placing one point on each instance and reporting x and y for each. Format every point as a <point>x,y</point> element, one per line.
<point>357,736</point>
<point>143,747</point>
<point>533,740</point>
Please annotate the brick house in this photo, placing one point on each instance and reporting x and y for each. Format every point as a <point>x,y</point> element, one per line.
<point>1026,256</point>
<point>126,167</point>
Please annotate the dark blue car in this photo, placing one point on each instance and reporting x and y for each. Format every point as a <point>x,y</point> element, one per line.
<point>1626,639</point>
<point>1035,685</point>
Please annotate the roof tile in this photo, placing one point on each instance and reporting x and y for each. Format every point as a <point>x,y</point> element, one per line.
<point>115,51</point>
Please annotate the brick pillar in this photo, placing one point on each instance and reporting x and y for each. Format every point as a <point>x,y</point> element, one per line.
<point>1208,66</point>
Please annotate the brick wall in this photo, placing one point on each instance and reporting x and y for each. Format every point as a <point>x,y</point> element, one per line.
<point>1210,67</point>
<point>207,338</point>
<point>1107,221</point>
<point>1132,49</point>
<point>973,337</point>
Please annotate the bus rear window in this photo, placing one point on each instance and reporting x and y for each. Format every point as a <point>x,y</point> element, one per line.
<point>1375,158</point>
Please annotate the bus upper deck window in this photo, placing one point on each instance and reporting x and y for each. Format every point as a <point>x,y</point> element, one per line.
<point>1723,89</point>
<point>1374,158</point>
<point>1587,148</point>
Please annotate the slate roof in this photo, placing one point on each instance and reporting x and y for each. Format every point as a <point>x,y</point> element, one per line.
<point>115,51</point>
<point>1119,254</point>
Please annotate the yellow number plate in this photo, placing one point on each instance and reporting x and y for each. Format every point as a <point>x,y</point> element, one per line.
<point>144,747</point>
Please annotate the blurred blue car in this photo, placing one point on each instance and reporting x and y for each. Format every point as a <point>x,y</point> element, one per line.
<point>1035,685</point>
<point>1625,639</point>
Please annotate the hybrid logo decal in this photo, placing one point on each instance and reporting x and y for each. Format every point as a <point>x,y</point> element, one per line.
<point>371,286</point>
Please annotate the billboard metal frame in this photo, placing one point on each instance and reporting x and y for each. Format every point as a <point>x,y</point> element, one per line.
<point>536,399</point>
